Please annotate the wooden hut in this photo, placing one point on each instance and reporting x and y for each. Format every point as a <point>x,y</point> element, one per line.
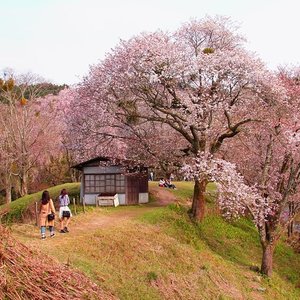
<point>107,181</point>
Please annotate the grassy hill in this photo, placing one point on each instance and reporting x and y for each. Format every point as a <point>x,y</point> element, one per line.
<point>23,208</point>
<point>28,274</point>
<point>148,252</point>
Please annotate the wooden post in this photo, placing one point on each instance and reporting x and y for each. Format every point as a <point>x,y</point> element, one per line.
<point>36,213</point>
<point>83,202</point>
<point>74,204</point>
<point>96,201</point>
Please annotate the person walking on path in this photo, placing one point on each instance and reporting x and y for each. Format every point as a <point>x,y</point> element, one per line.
<point>47,215</point>
<point>64,211</point>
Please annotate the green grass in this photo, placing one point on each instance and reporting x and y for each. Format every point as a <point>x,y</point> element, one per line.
<point>20,208</point>
<point>184,190</point>
<point>236,244</point>
<point>287,263</point>
<point>230,240</point>
<point>161,254</point>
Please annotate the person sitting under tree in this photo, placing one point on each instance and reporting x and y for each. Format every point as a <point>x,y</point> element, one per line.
<point>162,182</point>
<point>169,184</point>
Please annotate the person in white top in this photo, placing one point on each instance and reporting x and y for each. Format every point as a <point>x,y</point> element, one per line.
<point>161,182</point>
<point>65,213</point>
<point>151,176</point>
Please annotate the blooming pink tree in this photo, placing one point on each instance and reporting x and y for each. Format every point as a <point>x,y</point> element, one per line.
<point>88,129</point>
<point>268,158</point>
<point>29,130</point>
<point>199,81</point>
<point>92,129</point>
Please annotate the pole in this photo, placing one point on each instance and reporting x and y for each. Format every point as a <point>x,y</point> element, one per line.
<point>83,202</point>
<point>36,214</point>
<point>74,204</point>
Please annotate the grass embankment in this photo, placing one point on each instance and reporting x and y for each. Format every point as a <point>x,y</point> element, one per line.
<point>158,253</point>
<point>27,274</point>
<point>24,208</point>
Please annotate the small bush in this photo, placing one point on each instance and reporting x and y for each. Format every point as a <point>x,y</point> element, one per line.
<point>152,276</point>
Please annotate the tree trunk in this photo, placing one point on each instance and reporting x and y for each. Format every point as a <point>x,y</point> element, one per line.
<point>290,229</point>
<point>8,193</point>
<point>291,224</point>
<point>23,185</point>
<point>7,186</point>
<point>198,205</point>
<point>267,259</point>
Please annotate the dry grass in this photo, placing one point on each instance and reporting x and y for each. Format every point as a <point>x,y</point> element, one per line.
<point>27,274</point>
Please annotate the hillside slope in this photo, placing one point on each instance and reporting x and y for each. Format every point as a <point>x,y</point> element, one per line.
<point>23,209</point>
<point>29,274</point>
<point>156,252</point>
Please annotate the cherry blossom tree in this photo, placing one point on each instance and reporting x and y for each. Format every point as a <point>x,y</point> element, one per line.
<point>92,130</point>
<point>199,81</point>
<point>266,181</point>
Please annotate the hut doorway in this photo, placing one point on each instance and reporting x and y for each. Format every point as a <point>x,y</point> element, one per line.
<point>132,190</point>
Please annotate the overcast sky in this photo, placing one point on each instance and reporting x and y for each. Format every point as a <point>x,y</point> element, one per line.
<point>59,39</point>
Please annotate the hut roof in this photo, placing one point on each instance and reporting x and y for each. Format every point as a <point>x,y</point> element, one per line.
<point>108,161</point>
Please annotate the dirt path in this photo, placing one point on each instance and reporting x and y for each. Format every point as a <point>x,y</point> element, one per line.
<point>163,195</point>
<point>89,222</point>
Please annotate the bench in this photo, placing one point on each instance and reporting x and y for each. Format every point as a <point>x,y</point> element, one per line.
<point>107,200</point>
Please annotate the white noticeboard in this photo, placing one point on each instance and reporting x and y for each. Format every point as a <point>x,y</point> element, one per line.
<point>116,200</point>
